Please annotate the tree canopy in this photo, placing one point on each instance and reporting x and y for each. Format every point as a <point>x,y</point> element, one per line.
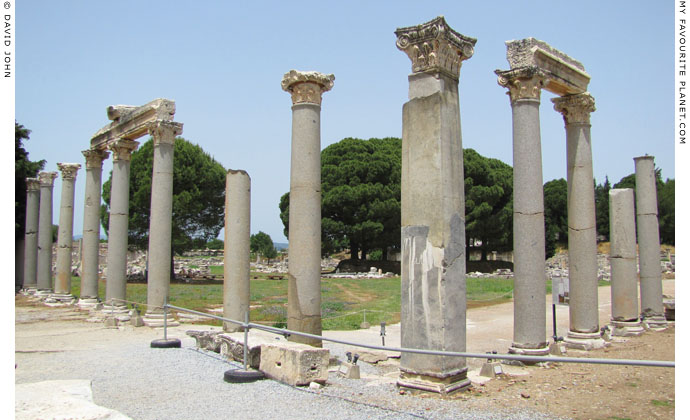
<point>262,243</point>
<point>23,168</point>
<point>198,196</point>
<point>555,214</point>
<point>601,198</point>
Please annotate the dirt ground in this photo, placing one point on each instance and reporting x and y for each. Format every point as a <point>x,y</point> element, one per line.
<point>579,391</point>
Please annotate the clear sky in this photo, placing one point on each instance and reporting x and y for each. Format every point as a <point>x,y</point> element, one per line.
<point>222,63</point>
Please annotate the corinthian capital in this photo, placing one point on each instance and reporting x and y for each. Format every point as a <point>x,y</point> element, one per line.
<point>306,86</point>
<point>575,108</point>
<point>46,178</point>
<point>95,158</point>
<point>69,170</point>
<point>523,83</point>
<point>164,132</point>
<point>435,47</point>
<point>33,184</point>
<point>122,149</point>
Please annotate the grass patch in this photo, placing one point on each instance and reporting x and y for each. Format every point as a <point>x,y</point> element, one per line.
<point>662,403</point>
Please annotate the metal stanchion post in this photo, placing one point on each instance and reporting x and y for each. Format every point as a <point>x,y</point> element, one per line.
<point>166,343</point>
<point>246,343</point>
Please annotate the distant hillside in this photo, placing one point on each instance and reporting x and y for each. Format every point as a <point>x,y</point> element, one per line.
<point>280,245</point>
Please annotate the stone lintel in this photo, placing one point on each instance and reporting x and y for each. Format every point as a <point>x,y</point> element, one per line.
<point>306,86</point>
<point>164,131</point>
<point>95,158</point>
<point>131,122</point>
<point>523,83</point>
<point>46,178</point>
<point>122,149</point>
<point>69,170</point>
<point>434,47</point>
<point>575,108</point>
<point>33,184</point>
<point>566,75</point>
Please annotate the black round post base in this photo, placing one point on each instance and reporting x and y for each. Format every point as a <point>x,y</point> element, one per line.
<point>242,376</point>
<point>170,343</point>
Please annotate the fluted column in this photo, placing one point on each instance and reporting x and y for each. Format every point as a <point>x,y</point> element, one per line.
<point>116,283</point>
<point>625,313</point>
<point>45,234</point>
<point>91,235</point>
<point>33,192</point>
<point>529,314</point>
<point>583,332</point>
<point>160,230</point>
<point>651,297</point>
<point>63,276</point>
<point>236,267</point>
<point>304,267</point>
<point>433,299</point>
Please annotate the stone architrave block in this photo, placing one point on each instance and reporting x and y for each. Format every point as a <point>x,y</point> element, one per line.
<point>231,345</point>
<point>294,364</point>
<point>206,340</point>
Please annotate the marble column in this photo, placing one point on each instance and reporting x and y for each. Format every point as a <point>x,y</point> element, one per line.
<point>44,272</point>
<point>529,313</point>
<point>236,266</point>
<point>63,275</point>
<point>433,299</point>
<point>31,234</point>
<point>91,238</point>
<point>304,266</point>
<point>160,230</point>
<point>583,331</point>
<point>116,280</point>
<point>651,298</point>
<point>625,314</point>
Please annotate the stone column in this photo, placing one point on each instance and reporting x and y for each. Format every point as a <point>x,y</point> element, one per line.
<point>304,267</point>
<point>91,238</point>
<point>160,230</point>
<point>236,266</point>
<point>529,314</point>
<point>583,332</point>
<point>63,276</point>
<point>652,307</point>
<point>45,234</point>
<point>116,283</point>
<point>31,234</point>
<point>625,315</point>
<point>433,300</point>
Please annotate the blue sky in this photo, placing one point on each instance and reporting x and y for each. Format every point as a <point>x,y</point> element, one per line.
<point>222,62</point>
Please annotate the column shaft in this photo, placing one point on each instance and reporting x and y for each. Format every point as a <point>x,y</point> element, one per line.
<point>31,234</point>
<point>92,224</point>
<point>45,232</point>
<point>63,278</point>
<point>236,267</point>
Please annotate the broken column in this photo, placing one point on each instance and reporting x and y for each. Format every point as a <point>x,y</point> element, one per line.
<point>116,283</point>
<point>651,298</point>
<point>583,331</point>
<point>44,272</point>
<point>91,235</point>
<point>63,276</point>
<point>529,315</point>
<point>236,264</point>
<point>304,253</point>
<point>433,300</point>
<point>31,234</point>
<point>160,230</point>
<point>625,315</point>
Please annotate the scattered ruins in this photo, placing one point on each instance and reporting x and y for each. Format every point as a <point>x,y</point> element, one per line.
<point>433,265</point>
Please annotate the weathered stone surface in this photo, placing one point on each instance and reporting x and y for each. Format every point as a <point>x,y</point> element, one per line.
<point>31,233</point>
<point>45,231</point>
<point>92,223</point>
<point>131,122</point>
<point>624,298</point>
<point>231,345</point>
<point>63,277</point>
<point>307,86</point>
<point>236,255</point>
<point>294,364</point>
<point>206,340</point>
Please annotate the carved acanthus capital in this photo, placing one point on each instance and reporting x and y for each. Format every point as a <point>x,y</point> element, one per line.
<point>46,178</point>
<point>575,108</point>
<point>122,149</point>
<point>306,86</point>
<point>164,132</point>
<point>33,184</point>
<point>69,170</point>
<point>435,47</point>
<point>95,158</point>
<point>523,83</point>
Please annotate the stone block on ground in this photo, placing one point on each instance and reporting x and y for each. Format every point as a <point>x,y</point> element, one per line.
<point>205,340</point>
<point>231,345</point>
<point>294,364</point>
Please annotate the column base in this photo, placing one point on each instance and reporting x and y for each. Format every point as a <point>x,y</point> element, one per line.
<point>28,291</point>
<point>60,299</point>
<point>440,384</point>
<point>545,350</point>
<point>584,341</point>
<point>88,304</point>
<point>625,328</point>
<point>119,313</point>
<point>655,323</point>
<point>43,293</point>
<point>156,319</point>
